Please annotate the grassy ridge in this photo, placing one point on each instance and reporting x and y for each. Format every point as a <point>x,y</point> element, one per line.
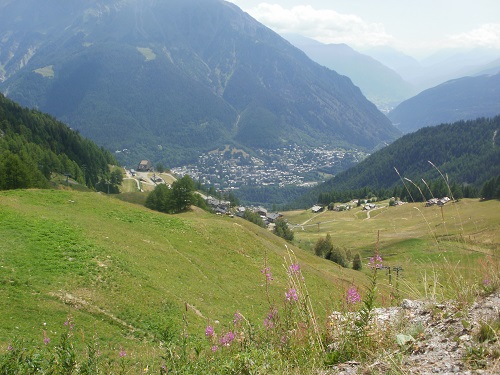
<point>129,273</point>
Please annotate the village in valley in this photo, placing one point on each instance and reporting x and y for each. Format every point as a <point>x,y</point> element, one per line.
<point>230,169</point>
<point>230,165</point>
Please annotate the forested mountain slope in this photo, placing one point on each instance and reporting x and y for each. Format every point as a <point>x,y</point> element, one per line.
<point>33,145</point>
<point>168,79</point>
<point>460,99</point>
<point>467,152</point>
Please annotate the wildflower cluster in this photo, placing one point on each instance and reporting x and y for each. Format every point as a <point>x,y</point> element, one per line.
<point>270,319</point>
<point>375,262</point>
<point>353,296</point>
<point>227,337</point>
<point>267,272</point>
<point>291,295</point>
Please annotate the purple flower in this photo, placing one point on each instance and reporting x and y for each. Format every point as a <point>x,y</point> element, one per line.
<point>227,339</point>
<point>294,268</point>
<point>209,331</point>
<point>353,296</point>
<point>375,262</point>
<point>237,318</point>
<point>215,348</point>
<point>122,353</point>
<point>10,348</point>
<point>267,271</point>
<point>291,296</point>
<point>269,320</point>
<point>486,282</point>
<point>46,339</point>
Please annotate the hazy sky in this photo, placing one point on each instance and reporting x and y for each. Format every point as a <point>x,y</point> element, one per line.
<point>417,27</point>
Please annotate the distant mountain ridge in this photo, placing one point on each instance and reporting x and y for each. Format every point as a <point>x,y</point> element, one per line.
<point>460,99</point>
<point>440,67</point>
<point>382,85</point>
<point>168,79</point>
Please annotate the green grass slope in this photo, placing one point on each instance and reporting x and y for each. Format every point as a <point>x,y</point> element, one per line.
<point>449,243</point>
<point>134,277</point>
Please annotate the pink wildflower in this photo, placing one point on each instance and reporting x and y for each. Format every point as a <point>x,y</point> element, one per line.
<point>215,348</point>
<point>267,271</point>
<point>291,295</point>
<point>294,268</point>
<point>237,318</point>
<point>269,320</point>
<point>353,296</point>
<point>375,262</point>
<point>227,339</point>
<point>10,348</point>
<point>209,331</point>
<point>46,339</point>
<point>122,353</point>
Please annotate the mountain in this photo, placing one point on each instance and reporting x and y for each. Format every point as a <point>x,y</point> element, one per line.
<point>168,79</point>
<point>440,67</point>
<point>468,152</point>
<point>34,146</point>
<point>380,84</point>
<point>406,66</point>
<point>460,99</point>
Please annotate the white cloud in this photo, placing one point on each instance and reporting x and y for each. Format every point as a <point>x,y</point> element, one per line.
<point>487,35</point>
<point>324,25</point>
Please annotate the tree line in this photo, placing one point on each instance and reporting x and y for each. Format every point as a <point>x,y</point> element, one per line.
<point>34,145</point>
<point>466,154</point>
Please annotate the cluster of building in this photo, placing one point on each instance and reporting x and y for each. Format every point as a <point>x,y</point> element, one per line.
<point>293,165</point>
<point>437,201</point>
<point>222,207</point>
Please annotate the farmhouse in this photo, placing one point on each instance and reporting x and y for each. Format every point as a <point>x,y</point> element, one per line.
<point>273,217</point>
<point>144,166</point>
<point>439,202</point>
<point>315,209</point>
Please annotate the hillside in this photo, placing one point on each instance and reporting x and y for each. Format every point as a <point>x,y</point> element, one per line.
<point>467,152</point>
<point>380,84</point>
<point>130,273</point>
<point>128,288</point>
<point>166,80</point>
<point>34,146</point>
<point>460,99</point>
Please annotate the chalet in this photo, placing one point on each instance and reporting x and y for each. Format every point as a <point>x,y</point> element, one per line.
<point>316,209</point>
<point>342,207</point>
<point>261,211</point>
<point>144,166</point>
<point>436,201</point>
<point>273,217</point>
<point>219,206</point>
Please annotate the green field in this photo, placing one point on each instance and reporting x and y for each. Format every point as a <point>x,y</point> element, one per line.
<point>132,274</point>
<point>451,241</point>
<point>133,278</point>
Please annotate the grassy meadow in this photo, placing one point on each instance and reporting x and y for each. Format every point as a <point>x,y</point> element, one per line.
<point>136,276</point>
<point>447,242</point>
<point>130,280</point>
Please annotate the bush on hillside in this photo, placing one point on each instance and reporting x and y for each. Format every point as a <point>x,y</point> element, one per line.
<point>172,200</point>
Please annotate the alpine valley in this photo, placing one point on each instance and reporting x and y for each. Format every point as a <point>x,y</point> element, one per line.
<point>167,80</point>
